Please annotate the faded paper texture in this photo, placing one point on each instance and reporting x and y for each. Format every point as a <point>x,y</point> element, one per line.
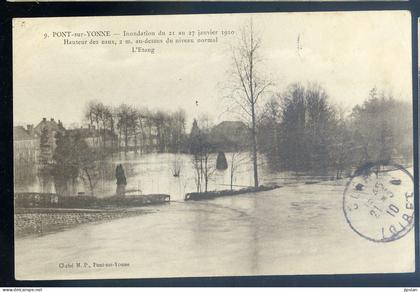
<point>213,145</point>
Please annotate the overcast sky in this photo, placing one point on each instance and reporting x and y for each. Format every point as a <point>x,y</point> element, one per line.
<point>346,52</point>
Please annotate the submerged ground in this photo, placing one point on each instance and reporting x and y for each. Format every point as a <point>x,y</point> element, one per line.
<point>297,229</point>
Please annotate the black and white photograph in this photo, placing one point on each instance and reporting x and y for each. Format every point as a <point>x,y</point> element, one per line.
<point>208,145</point>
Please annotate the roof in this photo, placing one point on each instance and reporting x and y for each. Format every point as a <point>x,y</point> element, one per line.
<point>51,125</point>
<point>19,134</point>
<point>229,135</point>
<point>230,126</point>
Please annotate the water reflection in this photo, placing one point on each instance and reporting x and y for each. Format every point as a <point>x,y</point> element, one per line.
<point>31,178</point>
<point>149,173</point>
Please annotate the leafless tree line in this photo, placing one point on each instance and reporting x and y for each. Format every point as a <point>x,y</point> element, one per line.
<point>125,128</point>
<point>299,129</point>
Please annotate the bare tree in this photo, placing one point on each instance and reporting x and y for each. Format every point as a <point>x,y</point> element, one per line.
<point>94,114</point>
<point>178,130</point>
<point>134,128</point>
<point>203,159</point>
<point>204,166</point>
<point>248,84</point>
<point>108,125</point>
<point>124,123</point>
<point>100,118</point>
<point>236,160</point>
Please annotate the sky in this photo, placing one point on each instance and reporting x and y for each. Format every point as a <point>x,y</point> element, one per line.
<point>347,53</point>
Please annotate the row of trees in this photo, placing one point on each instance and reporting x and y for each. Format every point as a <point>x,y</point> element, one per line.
<point>130,128</point>
<point>302,131</point>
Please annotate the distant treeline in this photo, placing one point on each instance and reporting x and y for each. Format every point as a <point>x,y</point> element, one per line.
<point>301,130</point>
<point>127,128</point>
<point>298,130</point>
<point>130,128</point>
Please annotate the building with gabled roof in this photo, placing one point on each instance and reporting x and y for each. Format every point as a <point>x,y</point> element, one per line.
<point>25,144</point>
<point>51,125</point>
<point>47,131</point>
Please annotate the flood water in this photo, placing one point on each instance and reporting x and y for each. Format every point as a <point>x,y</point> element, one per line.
<point>152,174</point>
<point>297,229</point>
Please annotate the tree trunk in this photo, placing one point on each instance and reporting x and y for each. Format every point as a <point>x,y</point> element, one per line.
<point>276,143</point>
<point>135,142</point>
<point>253,118</point>
<point>206,175</point>
<point>104,137</point>
<point>125,139</point>
<point>119,140</point>
<point>254,147</point>
<point>232,169</point>
<point>90,181</point>
<point>98,134</point>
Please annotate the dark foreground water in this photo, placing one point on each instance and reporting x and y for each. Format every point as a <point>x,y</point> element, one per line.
<point>297,229</point>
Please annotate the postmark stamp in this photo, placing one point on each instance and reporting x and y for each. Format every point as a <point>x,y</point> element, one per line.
<point>378,202</point>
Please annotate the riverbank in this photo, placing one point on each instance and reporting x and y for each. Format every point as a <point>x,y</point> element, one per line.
<point>54,201</point>
<point>40,221</point>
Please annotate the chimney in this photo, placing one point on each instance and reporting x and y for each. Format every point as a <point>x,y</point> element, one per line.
<point>52,119</point>
<point>30,129</point>
<point>44,119</point>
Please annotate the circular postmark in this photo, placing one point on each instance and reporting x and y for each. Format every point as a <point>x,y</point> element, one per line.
<point>378,202</point>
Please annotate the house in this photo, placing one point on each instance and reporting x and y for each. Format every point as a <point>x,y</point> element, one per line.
<point>51,128</point>
<point>25,144</point>
<point>230,135</point>
<point>47,130</point>
<point>36,144</point>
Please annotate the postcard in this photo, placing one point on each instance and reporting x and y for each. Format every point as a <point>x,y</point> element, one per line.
<point>213,145</point>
